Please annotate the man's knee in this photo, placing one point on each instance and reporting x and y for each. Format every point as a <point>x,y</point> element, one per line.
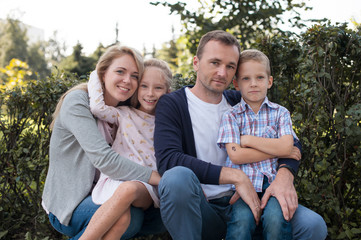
<point>307,224</point>
<point>179,184</point>
<point>177,179</point>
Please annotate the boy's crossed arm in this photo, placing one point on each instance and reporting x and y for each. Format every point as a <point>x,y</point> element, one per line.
<point>255,149</point>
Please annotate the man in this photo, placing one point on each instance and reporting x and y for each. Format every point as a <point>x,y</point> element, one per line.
<point>195,191</point>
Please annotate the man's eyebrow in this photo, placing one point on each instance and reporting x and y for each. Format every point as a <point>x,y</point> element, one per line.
<point>219,60</point>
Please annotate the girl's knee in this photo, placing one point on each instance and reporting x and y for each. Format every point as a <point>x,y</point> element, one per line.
<point>127,190</point>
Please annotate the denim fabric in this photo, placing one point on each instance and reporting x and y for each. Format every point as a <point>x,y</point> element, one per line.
<point>243,226</point>
<point>185,211</point>
<point>306,224</point>
<point>142,222</point>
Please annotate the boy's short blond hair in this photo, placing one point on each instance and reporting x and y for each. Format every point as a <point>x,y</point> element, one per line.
<point>255,55</point>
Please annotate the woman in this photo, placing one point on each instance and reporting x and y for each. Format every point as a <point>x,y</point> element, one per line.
<point>77,149</point>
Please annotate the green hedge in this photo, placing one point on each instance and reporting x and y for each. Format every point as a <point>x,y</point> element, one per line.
<point>317,76</point>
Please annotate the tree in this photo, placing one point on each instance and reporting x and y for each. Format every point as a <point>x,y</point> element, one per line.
<point>55,50</point>
<point>13,42</point>
<point>243,18</point>
<point>37,61</point>
<point>77,62</point>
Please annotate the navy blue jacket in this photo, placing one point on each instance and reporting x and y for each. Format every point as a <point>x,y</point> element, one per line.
<point>174,140</point>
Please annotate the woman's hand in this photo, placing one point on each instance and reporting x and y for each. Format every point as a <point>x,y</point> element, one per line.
<point>154,178</point>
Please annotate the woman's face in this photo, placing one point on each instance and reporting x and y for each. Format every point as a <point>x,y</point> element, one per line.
<point>121,80</point>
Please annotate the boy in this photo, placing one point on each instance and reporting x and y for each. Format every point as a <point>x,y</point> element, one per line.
<point>260,124</point>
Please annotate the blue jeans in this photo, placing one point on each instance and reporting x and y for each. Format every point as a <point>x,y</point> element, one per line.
<point>141,223</point>
<point>185,211</point>
<point>272,225</point>
<point>187,214</point>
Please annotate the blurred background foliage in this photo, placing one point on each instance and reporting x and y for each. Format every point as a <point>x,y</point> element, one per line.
<point>317,76</point>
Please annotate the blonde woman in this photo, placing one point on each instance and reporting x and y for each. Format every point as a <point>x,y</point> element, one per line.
<point>78,150</point>
<point>133,139</point>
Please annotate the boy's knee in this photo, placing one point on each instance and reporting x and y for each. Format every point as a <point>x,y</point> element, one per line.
<point>242,216</point>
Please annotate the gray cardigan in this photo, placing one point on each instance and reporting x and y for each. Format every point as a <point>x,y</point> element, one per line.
<point>76,149</point>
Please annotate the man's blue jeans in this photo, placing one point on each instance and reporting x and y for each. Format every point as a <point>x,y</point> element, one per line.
<point>142,222</point>
<point>187,214</point>
<point>272,226</point>
<point>185,211</point>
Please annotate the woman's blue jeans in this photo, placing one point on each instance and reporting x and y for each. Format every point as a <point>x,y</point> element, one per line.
<point>273,225</point>
<point>142,222</point>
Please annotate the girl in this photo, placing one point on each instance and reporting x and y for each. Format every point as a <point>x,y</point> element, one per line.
<point>134,139</point>
<point>77,150</point>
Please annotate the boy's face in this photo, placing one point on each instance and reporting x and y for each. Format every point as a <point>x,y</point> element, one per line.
<point>253,82</point>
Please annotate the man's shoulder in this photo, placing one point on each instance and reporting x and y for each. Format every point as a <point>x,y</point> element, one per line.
<point>233,97</point>
<point>177,95</point>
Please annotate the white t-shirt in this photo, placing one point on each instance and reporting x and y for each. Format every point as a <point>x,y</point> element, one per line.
<point>206,118</point>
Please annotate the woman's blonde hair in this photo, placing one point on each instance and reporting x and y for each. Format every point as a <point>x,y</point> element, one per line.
<point>103,64</point>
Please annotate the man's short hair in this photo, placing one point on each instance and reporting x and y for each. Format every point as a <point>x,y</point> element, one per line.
<point>217,35</point>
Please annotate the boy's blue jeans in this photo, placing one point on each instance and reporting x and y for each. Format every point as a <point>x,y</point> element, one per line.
<point>142,222</point>
<point>272,225</point>
<point>187,214</point>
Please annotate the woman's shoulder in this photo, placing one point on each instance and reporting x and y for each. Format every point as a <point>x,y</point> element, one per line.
<point>77,96</point>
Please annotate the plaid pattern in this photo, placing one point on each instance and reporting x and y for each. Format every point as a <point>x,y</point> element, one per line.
<point>272,121</point>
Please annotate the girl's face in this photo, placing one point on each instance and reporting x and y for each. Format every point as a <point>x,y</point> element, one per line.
<point>121,80</point>
<point>152,86</point>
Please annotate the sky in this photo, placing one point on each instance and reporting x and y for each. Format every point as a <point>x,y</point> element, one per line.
<point>140,24</point>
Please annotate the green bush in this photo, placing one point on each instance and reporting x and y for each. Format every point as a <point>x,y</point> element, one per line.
<point>24,130</point>
<point>317,77</point>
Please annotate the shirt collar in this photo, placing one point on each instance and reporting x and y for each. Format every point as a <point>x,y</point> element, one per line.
<point>243,106</point>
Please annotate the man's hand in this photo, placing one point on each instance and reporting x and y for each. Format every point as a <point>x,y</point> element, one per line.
<point>244,189</point>
<point>282,188</point>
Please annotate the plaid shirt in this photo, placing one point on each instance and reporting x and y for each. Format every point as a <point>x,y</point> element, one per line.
<point>272,121</point>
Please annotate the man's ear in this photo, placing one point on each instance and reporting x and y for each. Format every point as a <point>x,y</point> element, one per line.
<point>195,63</point>
<point>235,83</point>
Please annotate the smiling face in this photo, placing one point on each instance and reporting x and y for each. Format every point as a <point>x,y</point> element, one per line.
<point>151,87</point>
<point>253,82</point>
<point>215,69</point>
<point>120,80</point>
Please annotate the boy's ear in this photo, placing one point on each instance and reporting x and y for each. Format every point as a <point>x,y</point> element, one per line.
<point>195,63</point>
<point>270,82</point>
<point>235,83</point>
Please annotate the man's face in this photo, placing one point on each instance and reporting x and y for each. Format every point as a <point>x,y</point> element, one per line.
<point>217,66</point>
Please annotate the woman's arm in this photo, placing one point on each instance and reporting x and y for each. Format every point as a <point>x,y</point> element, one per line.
<point>96,100</point>
<point>76,118</point>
